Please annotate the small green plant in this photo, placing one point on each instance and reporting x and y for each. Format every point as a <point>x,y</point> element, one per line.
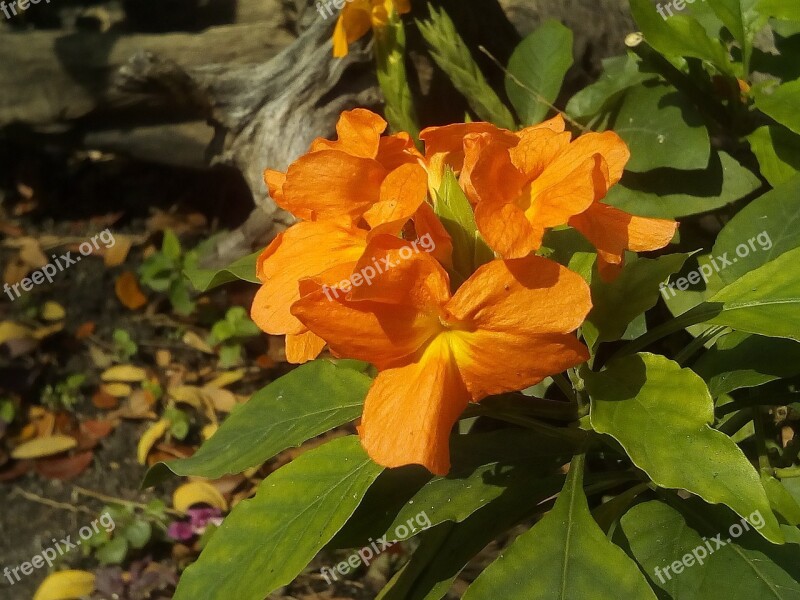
<point>163,272</point>
<point>131,528</point>
<point>124,346</point>
<point>64,395</point>
<point>229,334</point>
<point>180,422</point>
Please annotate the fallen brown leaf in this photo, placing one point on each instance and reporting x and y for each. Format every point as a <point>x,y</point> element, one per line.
<point>66,467</point>
<point>128,291</point>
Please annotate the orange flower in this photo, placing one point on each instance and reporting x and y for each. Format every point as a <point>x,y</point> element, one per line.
<point>341,189</point>
<point>359,16</point>
<point>547,180</point>
<point>506,328</point>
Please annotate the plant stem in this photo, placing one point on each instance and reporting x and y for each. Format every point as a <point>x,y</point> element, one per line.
<point>566,387</point>
<point>697,343</point>
<point>121,501</point>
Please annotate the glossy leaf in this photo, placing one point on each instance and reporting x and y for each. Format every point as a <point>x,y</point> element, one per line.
<point>486,466</point>
<point>668,194</point>
<point>781,104</point>
<point>267,541</point>
<point>634,400</point>
<point>678,35</point>
<point>553,558</point>
<point>619,74</point>
<point>741,569</point>
<point>740,360</point>
<point>636,290</point>
<point>778,152</point>
<point>760,232</point>
<point>539,63</point>
<point>303,404</point>
<point>765,301</point>
<point>781,500</point>
<point>662,129</point>
<point>780,9</point>
<point>243,269</point>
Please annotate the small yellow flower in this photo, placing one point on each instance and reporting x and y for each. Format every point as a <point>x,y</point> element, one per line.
<point>359,16</point>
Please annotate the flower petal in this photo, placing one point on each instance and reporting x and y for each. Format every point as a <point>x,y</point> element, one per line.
<point>401,194</point>
<point>515,319</point>
<point>354,22</point>
<point>331,185</point>
<point>613,231</point>
<point>359,134</point>
<point>410,411</point>
<point>304,250</point>
<point>303,347</point>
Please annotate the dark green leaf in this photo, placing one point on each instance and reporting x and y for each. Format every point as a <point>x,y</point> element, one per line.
<point>557,551</point>
<point>267,541</point>
<point>781,104</point>
<point>740,360</point>
<point>634,400</point>
<point>662,129</point>
<point>536,71</point>
<point>303,404</point>
<point>619,74</point>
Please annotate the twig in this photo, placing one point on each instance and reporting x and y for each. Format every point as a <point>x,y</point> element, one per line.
<point>113,500</point>
<point>535,94</point>
<point>52,503</point>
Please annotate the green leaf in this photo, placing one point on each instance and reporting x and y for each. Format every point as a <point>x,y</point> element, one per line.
<point>781,500</point>
<point>764,301</point>
<point>740,360</point>
<point>659,536</point>
<point>267,541</point>
<point>740,19</point>
<point>303,404</point>
<point>138,533</point>
<point>171,246</point>
<point>662,129</point>
<point>760,232</point>
<point>743,568</point>
<point>619,74</point>
<point>679,35</point>
<point>114,552</point>
<point>454,210</point>
<point>778,152</point>
<point>780,9</point>
<point>486,466</point>
<point>781,104</point>
<point>207,279</point>
<point>636,290</point>
<point>633,400</point>
<point>449,51</point>
<point>558,550</point>
<point>536,71</point>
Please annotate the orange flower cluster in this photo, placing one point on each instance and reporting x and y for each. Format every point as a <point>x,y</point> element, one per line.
<point>363,200</point>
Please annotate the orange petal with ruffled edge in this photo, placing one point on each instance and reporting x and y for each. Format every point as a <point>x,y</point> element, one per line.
<point>410,411</point>
<point>274,181</point>
<point>401,194</point>
<point>359,134</point>
<point>354,22</point>
<point>445,147</point>
<point>385,320</point>
<point>303,347</point>
<point>514,320</point>
<point>609,145</point>
<point>613,231</point>
<point>331,185</point>
<point>537,148</point>
<point>304,250</point>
